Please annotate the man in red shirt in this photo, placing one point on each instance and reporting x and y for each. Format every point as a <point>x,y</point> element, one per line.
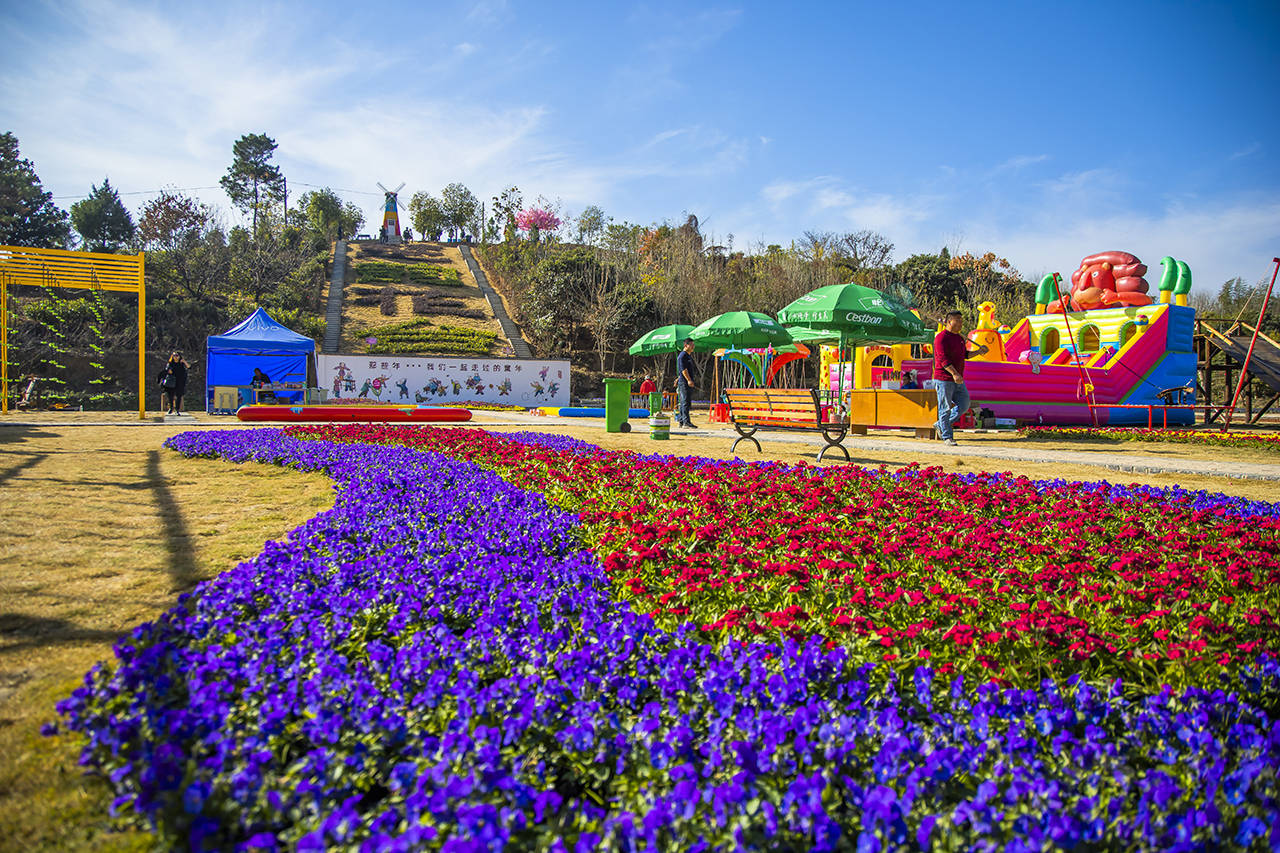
<point>950,350</point>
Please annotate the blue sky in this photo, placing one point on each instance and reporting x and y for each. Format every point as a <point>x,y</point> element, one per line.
<point>1044,132</point>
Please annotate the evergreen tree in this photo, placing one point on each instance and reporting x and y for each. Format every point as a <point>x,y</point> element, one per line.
<point>28,216</point>
<point>251,179</point>
<point>459,207</point>
<point>427,215</point>
<point>101,220</point>
<point>930,277</point>
<point>325,213</point>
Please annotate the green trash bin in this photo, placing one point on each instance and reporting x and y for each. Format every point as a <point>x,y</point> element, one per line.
<point>655,403</point>
<point>617,405</point>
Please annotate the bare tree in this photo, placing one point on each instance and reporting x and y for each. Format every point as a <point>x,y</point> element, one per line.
<point>864,249</point>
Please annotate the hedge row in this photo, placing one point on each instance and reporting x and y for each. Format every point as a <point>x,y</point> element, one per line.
<point>390,272</point>
<point>420,336</point>
<point>424,304</point>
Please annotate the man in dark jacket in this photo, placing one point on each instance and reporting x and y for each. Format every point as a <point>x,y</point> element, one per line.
<point>685,371</point>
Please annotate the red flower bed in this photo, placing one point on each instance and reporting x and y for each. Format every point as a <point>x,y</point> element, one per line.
<point>1173,436</point>
<point>993,573</point>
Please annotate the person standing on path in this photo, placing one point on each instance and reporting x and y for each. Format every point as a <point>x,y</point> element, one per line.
<point>950,351</point>
<point>685,371</point>
<point>173,383</point>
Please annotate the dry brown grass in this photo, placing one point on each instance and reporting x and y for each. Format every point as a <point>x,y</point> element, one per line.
<point>103,529</point>
<point>357,318</point>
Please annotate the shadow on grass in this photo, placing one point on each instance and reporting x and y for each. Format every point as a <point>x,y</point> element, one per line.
<point>177,538</point>
<point>14,470</point>
<point>22,630</point>
<point>14,433</point>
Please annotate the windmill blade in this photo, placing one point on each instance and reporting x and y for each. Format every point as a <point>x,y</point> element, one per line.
<point>398,202</point>
<point>397,189</point>
<point>381,187</point>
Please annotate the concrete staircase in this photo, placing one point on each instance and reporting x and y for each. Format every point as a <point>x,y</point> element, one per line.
<point>333,309</point>
<point>509,328</point>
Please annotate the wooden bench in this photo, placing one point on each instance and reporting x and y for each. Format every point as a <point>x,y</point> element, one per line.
<point>793,409</point>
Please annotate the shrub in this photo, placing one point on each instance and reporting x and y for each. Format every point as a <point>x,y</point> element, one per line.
<point>423,303</point>
<point>433,274</point>
<point>388,301</point>
<point>419,336</point>
<point>394,273</point>
<point>379,271</point>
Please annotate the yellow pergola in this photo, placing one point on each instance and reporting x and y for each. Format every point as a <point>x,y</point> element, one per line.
<point>20,265</point>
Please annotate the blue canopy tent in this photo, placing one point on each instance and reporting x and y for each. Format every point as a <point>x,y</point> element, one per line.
<point>261,342</point>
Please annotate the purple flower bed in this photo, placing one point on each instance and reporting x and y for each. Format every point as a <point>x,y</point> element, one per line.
<point>435,663</point>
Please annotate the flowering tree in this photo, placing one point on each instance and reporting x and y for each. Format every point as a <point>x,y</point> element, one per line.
<point>536,220</point>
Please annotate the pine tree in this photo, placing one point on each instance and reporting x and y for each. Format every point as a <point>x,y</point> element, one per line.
<point>101,220</point>
<point>28,216</point>
<point>251,179</point>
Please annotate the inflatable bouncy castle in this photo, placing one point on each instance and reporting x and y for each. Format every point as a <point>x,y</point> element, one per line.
<point>1104,351</point>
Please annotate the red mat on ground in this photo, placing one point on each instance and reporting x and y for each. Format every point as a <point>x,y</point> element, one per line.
<point>369,414</point>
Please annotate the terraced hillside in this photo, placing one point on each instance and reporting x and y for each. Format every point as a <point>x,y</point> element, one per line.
<point>416,297</point>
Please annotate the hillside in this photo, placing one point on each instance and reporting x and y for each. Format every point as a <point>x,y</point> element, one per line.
<point>438,307</point>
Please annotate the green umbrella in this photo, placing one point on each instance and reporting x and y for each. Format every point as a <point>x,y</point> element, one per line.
<point>806,335</point>
<point>860,315</point>
<point>664,339</point>
<point>857,315</point>
<point>740,330</point>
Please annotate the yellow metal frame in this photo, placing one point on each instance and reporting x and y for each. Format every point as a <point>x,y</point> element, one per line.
<point>21,265</point>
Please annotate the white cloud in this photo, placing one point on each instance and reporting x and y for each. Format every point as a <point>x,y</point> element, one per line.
<point>1041,227</point>
<point>1218,241</point>
<point>1247,151</point>
<point>487,12</point>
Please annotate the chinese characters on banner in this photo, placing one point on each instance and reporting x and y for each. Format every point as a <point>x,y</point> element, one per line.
<point>443,380</point>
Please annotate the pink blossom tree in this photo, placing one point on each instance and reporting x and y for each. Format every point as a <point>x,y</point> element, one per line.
<point>536,220</point>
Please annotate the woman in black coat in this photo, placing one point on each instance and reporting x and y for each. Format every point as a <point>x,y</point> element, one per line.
<point>173,383</point>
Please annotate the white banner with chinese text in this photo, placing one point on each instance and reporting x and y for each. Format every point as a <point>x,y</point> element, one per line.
<point>444,380</point>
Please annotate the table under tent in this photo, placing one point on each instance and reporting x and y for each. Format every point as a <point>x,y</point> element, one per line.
<point>287,357</point>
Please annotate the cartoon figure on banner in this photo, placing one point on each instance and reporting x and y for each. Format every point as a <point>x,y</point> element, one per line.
<point>542,374</point>
<point>476,384</point>
<point>554,387</point>
<point>538,389</point>
<point>403,385</point>
<point>504,390</point>
<point>364,389</point>
<point>457,387</point>
<point>379,383</point>
<point>342,379</point>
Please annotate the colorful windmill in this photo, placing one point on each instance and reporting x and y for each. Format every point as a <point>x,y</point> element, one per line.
<point>390,215</point>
